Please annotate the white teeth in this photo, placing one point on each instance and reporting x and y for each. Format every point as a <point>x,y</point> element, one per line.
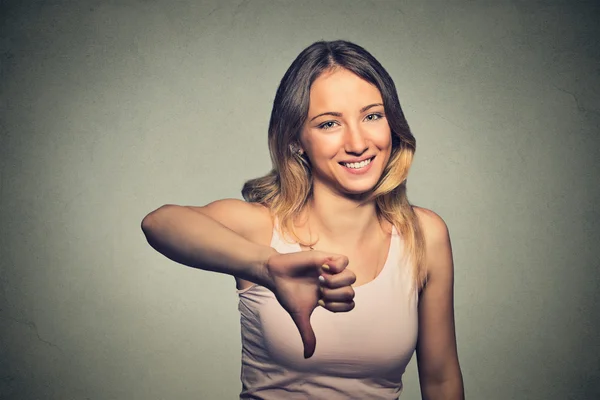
<point>358,165</point>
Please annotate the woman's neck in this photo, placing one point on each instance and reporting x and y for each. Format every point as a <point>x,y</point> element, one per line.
<point>334,217</point>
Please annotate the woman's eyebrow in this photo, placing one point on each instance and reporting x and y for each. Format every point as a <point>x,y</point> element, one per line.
<point>365,108</point>
<point>333,113</point>
<point>338,114</point>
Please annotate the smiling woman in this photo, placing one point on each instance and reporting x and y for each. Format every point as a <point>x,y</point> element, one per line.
<point>339,277</point>
<point>349,143</point>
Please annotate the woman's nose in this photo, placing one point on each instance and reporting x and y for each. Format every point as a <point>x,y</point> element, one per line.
<point>355,141</point>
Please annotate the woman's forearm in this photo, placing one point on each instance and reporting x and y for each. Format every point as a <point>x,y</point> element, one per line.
<point>197,240</point>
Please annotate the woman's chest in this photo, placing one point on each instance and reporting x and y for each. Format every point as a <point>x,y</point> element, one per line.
<point>376,338</point>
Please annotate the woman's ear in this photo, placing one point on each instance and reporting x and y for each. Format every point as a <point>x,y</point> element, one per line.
<point>296,149</point>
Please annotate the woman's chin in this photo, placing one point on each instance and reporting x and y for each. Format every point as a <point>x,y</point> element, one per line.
<point>358,191</point>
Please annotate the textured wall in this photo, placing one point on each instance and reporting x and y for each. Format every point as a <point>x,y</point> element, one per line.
<point>110,109</point>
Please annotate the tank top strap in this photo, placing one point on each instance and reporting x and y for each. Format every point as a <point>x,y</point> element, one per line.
<point>279,243</point>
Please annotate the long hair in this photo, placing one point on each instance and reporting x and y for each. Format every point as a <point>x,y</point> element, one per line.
<point>286,189</point>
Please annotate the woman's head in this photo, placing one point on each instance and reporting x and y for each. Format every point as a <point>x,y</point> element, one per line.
<point>291,106</point>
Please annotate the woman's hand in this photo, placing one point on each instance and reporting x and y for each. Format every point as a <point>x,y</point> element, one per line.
<point>303,280</point>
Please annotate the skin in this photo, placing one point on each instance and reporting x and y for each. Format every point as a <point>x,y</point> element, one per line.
<point>346,122</point>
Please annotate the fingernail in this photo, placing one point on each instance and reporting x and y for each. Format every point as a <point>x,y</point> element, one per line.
<point>325,267</point>
<point>321,303</point>
<point>321,279</point>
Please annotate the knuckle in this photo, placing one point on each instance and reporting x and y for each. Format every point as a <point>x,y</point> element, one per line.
<point>352,278</point>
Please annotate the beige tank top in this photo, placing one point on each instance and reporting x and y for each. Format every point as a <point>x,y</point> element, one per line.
<point>360,354</point>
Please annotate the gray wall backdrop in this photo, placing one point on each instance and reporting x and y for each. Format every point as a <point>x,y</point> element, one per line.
<point>110,109</point>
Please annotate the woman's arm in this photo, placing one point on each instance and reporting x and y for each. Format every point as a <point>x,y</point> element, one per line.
<point>213,238</point>
<point>439,371</point>
<point>221,237</point>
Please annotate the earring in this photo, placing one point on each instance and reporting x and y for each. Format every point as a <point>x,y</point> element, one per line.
<point>296,150</point>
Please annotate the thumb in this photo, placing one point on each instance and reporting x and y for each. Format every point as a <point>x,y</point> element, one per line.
<point>302,321</point>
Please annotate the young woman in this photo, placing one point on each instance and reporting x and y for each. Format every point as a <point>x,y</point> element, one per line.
<point>339,277</point>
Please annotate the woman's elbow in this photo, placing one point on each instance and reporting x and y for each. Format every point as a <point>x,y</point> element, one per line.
<point>448,387</point>
<point>152,220</point>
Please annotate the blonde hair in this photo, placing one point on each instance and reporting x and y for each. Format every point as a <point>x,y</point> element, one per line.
<point>287,188</point>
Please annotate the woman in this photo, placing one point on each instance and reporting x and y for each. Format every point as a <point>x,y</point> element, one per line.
<point>329,239</point>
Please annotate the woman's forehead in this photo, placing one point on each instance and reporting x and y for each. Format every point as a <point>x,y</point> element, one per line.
<point>341,89</point>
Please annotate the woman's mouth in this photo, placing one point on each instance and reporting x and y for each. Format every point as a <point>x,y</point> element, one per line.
<point>358,166</point>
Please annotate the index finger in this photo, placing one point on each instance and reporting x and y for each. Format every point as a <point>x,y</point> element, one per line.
<point>335,264</point>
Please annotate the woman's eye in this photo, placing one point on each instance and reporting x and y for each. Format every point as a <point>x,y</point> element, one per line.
<point>373,117</point>
<point>327,125</point>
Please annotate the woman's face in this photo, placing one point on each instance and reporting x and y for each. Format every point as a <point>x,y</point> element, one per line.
<point>346,135</point>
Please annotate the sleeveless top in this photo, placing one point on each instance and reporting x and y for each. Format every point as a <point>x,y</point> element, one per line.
<point>360,354</point>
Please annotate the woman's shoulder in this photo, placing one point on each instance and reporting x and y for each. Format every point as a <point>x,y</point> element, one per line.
<point>250,220</point>
<point>438,249</point>
<point>433,227</point>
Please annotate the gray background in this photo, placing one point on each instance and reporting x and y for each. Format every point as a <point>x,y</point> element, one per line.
<point>110,109</point>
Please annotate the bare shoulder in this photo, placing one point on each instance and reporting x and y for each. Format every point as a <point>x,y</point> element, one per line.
<point>437,242</point>
<point>433,226</point>
<point>251,220</point>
